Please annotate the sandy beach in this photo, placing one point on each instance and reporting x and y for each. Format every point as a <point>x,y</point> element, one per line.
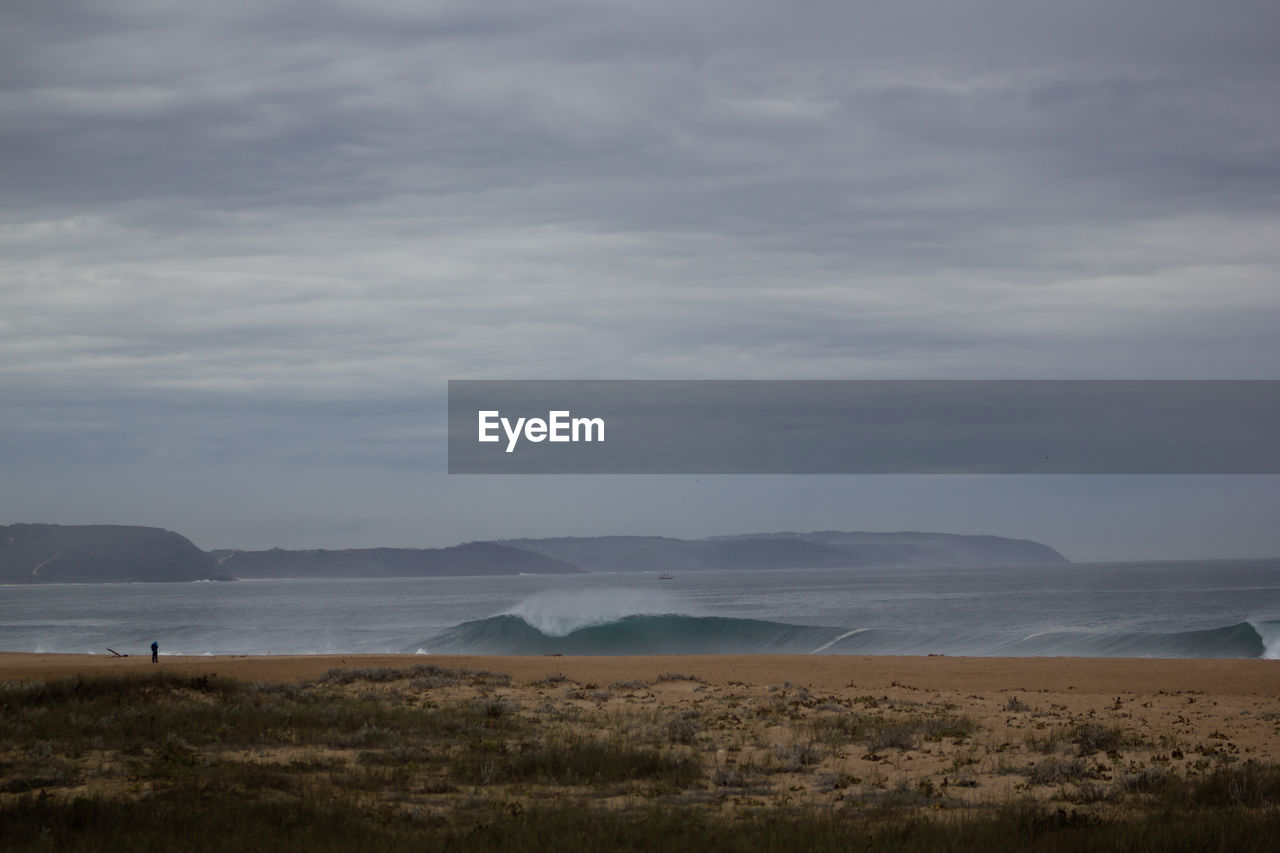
<point>1074,676</point>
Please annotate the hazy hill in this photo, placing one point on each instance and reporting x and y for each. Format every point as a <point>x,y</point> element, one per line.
<point>909,548</point>
<point>51,553</point>
<point>651,553</point>
<point>98,553</point>
<point>789,550</point>
<point>473,558</point>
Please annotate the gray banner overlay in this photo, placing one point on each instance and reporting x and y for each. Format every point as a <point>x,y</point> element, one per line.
<point>864,427</point>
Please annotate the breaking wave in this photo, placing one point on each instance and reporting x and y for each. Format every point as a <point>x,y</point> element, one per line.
<point>521,632</point>
<point>668,634</point>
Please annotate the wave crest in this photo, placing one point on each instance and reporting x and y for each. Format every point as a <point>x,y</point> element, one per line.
<point>529,630</point>
<point>561,614</point>
<point>634,635</point>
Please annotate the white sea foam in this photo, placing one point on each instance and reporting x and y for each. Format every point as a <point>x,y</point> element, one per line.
<point>844,636</point>
<point>1269,631</point>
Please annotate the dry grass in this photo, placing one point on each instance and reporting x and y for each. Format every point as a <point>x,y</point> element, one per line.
<point>464,754</point>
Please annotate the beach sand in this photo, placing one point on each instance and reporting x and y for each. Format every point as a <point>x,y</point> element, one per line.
<point>1066,676</point>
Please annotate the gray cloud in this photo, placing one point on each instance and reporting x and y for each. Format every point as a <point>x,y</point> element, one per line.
<point>272,231</point>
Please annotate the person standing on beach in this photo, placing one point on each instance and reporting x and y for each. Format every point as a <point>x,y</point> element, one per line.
<point>155,652</point>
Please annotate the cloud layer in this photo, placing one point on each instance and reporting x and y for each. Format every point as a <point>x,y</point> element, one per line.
<point>266,234</point>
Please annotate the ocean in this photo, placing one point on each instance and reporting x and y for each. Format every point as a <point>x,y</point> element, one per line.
<point>1207,608</point>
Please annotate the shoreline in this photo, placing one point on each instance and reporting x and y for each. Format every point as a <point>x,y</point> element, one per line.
<point>1079,676</point>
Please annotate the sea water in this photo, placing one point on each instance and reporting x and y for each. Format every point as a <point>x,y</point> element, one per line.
<point>1210,608</point>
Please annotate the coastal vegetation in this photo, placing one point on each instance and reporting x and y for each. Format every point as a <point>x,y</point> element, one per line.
<point>427,757</point>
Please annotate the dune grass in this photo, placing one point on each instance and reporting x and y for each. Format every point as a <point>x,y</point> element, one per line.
<point>427,758</point>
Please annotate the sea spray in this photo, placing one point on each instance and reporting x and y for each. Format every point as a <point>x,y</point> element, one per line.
<point>1268,631</point>
<point>558,614</point>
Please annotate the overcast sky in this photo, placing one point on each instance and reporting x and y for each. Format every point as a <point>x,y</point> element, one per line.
<point>243,246</point>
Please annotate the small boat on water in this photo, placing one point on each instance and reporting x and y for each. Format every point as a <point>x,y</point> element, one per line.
<point>666,576</point>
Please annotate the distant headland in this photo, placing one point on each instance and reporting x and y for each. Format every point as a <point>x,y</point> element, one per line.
<point>109,553</point>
